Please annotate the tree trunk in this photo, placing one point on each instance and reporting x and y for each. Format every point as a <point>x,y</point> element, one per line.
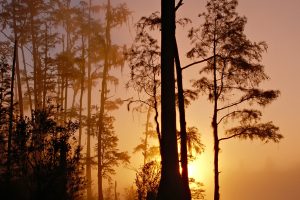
<point>81,88</point>
<point>215,125</point>
<point>183,134</point>
<point>116,195</point>
<point>88,147</point>
<point>26,79</point>
<point>11,112</point>
<point>45,68</point>
<point>36,71</point>
<point>19,84</point>
<point>170,186</point>
<point>66,99</point>
<point>103,99</point>
<point>146,136</point>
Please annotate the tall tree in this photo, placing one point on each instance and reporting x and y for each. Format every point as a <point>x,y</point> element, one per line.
<point>231,77</point>
<point>171,186</point>
<point>144,62</point>
<point>11,112</point>
<point>115,16</point>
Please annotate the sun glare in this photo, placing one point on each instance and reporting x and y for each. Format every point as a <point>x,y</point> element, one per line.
<point>199,170</point>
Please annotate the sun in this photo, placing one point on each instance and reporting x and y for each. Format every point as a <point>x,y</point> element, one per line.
<point>198,170</point>
<point>194,170</point>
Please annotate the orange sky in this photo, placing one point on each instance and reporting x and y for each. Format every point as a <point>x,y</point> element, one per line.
<point>249,170</point>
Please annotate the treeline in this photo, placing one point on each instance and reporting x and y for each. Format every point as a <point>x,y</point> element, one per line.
<point>58,53</point>
<point>55,56</point>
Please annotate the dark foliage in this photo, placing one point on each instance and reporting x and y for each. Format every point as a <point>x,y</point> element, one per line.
<point>45,160</point>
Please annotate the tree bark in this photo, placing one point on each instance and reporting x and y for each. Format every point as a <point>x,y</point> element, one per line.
<point>170,186</point>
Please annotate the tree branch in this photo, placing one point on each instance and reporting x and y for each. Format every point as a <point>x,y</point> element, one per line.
<point>232,136</point>
<point>197,62</point>
<point>234,104</point>
<point>227,115</point>
<point>180,3</point>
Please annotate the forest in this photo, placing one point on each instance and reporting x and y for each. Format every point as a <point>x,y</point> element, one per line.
<point>60,78</point>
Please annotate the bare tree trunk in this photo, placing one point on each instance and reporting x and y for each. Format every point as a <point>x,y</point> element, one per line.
<point>103,99</point>
<point>10,130</point>
<point>66,99</point>
<point>183,134</point>
<point>215,126</point>
<point>26,79</point>
<point>45,69</point>
<point>116,195</point>
<point>19,84</point>
<point>36,71</point>
<point>88,147</point>
<point>75,91</point>
<point>146,136</point>
<point>171,186</point>
<point>62,97</point>
<point>81,88</point>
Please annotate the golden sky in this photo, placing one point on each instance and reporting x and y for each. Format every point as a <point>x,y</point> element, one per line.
<point>249,169</point>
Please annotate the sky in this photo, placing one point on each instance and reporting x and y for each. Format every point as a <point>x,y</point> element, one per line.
<point>249,169</point>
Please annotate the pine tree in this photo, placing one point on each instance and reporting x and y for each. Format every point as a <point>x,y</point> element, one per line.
<point>231,77</point>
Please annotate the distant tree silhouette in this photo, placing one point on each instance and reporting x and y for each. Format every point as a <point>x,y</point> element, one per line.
<point>147,180</point>
<point>110,155</point>
<point>143,59</point>
<point>149,152</point>
<point>115,16</point>
<point>232,76</point>
<point>130,193</point>
<point>5,112</point>
<point>45,160</point>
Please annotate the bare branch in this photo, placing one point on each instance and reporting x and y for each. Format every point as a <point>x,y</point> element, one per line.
<point>179,4</point>
<point>229,137</point>
<point>197,62</point>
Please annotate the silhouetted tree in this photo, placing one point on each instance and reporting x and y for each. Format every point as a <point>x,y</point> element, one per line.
<point>115,16</point>
<point>45,159</point>
<point>130,193</point>
<point>171,186</point>
<point>148,152</point>
<point>143,58</point>
<point>5,95</point>
<point>147,181</point>
<point>232,76</point>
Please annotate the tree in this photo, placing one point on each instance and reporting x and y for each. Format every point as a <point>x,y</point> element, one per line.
<point>45,160</point>
<point>5,110</point>
<point>110,156</point>
<point>115,16</point>
<point>149,152</point>
<point>171,186</point>
<point>147,181</point>
<point>232,76</point>
<point>143,58</point>
<point>130,193</point>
